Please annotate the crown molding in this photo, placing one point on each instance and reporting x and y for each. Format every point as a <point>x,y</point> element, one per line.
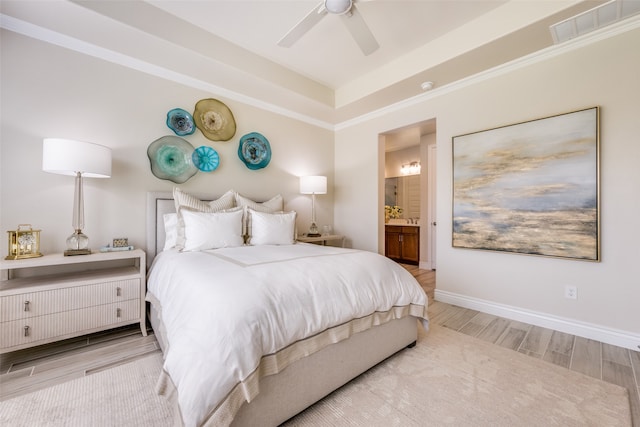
<point>48,36</point>
<point>30,30</point>
<point>525,61</point>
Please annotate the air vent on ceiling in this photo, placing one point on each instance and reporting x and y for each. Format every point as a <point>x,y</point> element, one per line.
<point>593,19</point>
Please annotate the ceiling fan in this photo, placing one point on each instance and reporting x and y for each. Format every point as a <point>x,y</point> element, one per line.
<point>351,17</point>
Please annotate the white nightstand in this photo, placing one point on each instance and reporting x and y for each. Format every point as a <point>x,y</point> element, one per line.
<point>54,297</point>
<point>322,239</point>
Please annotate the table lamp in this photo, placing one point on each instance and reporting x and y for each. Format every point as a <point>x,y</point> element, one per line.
<point>79,159</point>
<point>313,185</point>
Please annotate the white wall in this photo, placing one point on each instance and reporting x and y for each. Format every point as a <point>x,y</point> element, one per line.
<point>48,91</point>
<point>604,73</point>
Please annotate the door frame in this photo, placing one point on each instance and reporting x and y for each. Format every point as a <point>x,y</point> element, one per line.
<point>431,206</point>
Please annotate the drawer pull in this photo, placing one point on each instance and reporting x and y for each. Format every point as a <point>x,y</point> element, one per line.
<point>26,306</point>
<point>118,291</point>
<point>26,331</point>
<point>118,312</point>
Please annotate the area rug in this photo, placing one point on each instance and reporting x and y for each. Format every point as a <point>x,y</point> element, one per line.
<point>447,379</point>
<point>451,379</point>
<point>121,396</point>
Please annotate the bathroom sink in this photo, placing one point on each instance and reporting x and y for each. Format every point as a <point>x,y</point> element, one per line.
<point>401,221</point>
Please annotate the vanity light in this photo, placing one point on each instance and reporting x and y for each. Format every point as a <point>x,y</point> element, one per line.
<point>412,168</point>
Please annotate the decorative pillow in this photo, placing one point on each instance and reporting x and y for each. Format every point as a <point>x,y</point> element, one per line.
<point>205,230</point>
<point>170,230</point>
<point>275,204</point>
<point>184,201</point>
<point>271,228</point>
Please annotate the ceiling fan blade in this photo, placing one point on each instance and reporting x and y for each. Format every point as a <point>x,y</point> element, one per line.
<point>312,18</point>
<point>360,31</point>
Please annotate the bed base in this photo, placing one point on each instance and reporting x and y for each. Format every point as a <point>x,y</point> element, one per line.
<point>308,380</point>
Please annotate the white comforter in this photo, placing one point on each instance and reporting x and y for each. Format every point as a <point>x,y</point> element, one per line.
<point>224,309</point>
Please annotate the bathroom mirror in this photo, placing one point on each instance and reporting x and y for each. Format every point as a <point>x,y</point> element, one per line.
<point>403,191</point>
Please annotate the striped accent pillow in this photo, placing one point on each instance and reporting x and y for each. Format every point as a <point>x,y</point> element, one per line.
<point>185,200</point>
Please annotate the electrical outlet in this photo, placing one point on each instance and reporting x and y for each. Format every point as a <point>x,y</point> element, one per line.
<point>571,292</point>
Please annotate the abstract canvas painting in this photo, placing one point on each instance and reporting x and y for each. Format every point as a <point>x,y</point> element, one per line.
<point>530,188</point>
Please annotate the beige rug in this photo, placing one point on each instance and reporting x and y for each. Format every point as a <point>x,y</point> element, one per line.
<point>447,379</point>
<point>451,379</point>
<point>121,396</point>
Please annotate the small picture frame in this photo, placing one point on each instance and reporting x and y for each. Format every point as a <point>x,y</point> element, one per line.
<point>120,242</point>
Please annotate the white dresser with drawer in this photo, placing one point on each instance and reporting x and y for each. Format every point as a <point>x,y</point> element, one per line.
<point>54,297</point>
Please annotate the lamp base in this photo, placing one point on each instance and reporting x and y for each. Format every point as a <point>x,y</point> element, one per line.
<point>77,244</point>
<point>313,230</point>
<point>73,252</point>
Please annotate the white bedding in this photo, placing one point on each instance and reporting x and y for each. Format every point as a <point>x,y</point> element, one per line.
<point>224,310</point>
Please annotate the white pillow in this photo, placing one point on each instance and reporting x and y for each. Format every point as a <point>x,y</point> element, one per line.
<point>272,228</point>
<point>184,201</point>
<point>170,230</point>
<point>275,204</point>
<point>204,230</point>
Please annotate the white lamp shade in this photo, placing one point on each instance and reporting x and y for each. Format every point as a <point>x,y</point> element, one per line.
<point>68,157</point>
<point>313,185</point>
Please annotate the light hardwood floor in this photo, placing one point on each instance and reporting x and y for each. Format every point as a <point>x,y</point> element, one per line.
<point>606,362</point>
<point>28,370</point>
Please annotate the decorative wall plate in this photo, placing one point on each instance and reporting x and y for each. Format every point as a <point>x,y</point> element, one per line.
<point>205,158</point>
<point>214,119</point>
<point>181,122</point>
<point>170,158</point>
<point>254,150</point>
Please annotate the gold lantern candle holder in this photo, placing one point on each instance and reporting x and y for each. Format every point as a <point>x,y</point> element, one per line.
<point>24,242</point>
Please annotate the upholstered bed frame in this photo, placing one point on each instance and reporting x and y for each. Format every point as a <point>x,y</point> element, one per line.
<point>308,380</point>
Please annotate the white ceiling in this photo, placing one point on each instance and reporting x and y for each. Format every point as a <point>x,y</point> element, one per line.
<point>230,47</point>
<point>327,53</point>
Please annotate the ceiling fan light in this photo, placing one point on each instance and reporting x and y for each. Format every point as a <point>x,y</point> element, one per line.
<point>338,7</point>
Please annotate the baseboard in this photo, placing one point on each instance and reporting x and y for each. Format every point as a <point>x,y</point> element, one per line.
<point>424,265</point>
<point>582,329</point>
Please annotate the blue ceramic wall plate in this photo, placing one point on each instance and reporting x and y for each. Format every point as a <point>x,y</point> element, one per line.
<point>170,158</point>
<point>181,122</point>
<point>254,150</point>
<point>205,158</point>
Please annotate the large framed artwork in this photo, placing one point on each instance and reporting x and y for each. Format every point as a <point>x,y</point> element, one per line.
<point>530,188</point>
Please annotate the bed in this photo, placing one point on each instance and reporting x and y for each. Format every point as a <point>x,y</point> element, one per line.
<point>228,360</point>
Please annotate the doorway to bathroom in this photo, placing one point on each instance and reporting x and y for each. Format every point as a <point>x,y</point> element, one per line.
<point>410,190</point>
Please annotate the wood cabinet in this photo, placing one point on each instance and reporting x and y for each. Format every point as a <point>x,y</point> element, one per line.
<point>402,243</point>
<point>55,297</point>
